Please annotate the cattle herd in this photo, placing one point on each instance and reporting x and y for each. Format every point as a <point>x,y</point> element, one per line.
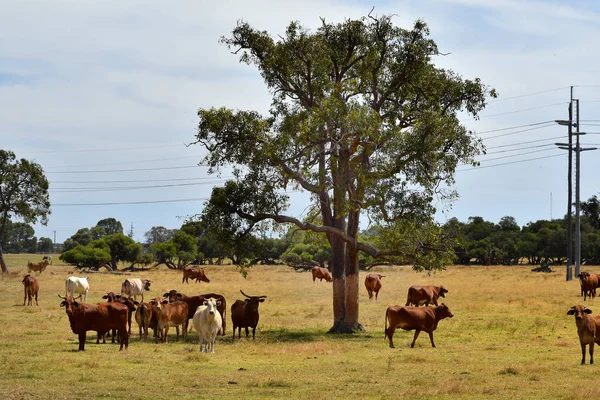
<point>208,311</point>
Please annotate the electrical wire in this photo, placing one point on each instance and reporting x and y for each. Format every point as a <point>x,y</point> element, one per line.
<point>509,163</point>
<point>117,188</point>
<point>96,150</point>
<point>121,163</point>
<point>515,127</point>
<point>527,142</point>
<point>522,148</point>
<point>121,170</point>
<point>139,181</point>
<point>128,202</point>
<point>520,131</point>
<point>516,155</point>
<point>529,94</point>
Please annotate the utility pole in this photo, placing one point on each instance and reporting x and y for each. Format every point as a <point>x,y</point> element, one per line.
<point>131,231</point>
<point>54,243</point>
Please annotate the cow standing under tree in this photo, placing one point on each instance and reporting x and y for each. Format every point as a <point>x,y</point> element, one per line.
<point>31,289</point>
<point>244,314</point>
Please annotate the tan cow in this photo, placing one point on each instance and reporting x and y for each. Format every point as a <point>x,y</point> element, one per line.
<point>419,295</point>
<point>37,267</point>
<point>417,318</point>
<point>373,284</point>
<point>588,329</point>
<point>194,273</point>
<point>321,273</point>
<point>170,314</point>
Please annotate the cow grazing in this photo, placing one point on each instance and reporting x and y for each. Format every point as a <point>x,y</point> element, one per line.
<point>37,267</point>
<point>75,285</point>
<point>170,314</point>
<point>194,302</point>
<point>47,258</point>
<point>588,329</point>
<point>418,318</point>
<point>321,273</point>
<point>207,321</point>
<point>588,282</point>
<point>419,295</point>
<point>134,287</point>
<point>373,284</point>
<point>194,273</point>
<point>244,314</point>
<point>145,316</point>
<point>96,317</point>
<point>31,289</point>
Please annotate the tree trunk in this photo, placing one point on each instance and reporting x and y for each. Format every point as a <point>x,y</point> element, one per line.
<point>2,263</point>
<point>352,287</point>
<point>339,285</point>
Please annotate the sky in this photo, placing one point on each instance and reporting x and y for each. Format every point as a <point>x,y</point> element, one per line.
<point>104,96</point>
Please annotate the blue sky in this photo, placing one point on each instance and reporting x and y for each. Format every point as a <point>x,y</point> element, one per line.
<point>104,96</point>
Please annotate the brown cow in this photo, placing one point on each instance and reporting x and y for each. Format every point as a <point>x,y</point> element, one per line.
<point>321,273</point>
<point>588,329</point>
<point>145,316</point>
<point>168,314</point>
<point>31,288</point>
<point>37,267</point>
<point>373,284</point>
<point>195,273</point>
<point>128,302</point>
<point>588,282</point>
<point>419,318</point>
<point>96,317</point>
<point>244,314</point>
<point>194,302</point>
<point>419,295</point>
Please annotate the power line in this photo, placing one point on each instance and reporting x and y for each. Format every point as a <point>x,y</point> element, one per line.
<point>122,162</point>
<point>528,94</point>
<point>527,142</point>
<point>521,131</point>
<point>120,170</point>
<point>522,148</point>
<point>516,155</point>
<point>509,163</point>
<point>129,202</point>
<point>516,127</point>
<point>98,150</point>
<point>139,181</point>
<point>524,109</point>
<point>117,188</point>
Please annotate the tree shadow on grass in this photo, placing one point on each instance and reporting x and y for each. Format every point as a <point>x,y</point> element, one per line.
<point>304,336</point>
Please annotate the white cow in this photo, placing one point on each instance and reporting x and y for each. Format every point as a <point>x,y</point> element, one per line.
<point>207,321</point>
<point>134,287</point>
<point>75,285</point>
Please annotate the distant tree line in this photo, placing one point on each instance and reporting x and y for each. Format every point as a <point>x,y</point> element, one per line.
<point>476,241</point>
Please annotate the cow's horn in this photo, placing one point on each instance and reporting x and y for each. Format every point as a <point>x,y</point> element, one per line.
<point>62,297</point>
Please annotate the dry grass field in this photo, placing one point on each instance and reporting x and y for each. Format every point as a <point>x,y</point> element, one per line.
<point>510,338</point>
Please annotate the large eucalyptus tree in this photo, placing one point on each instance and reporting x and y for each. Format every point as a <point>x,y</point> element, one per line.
<point>362,120</point>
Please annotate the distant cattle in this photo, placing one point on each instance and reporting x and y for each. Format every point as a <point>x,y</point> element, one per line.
<point>194,273</point>
<point>135,287</point>
<point>373,284</point>
<point>75,285</point>
<point>47,258</point>
<point>170,314</point>
<point>194,302</point>
<point>31,289</point>
<point>37,267</point>
<point>207,322</point>
<point>321,273</point>
<point>96,317</point>
<point>588,329</point>
<point>414,318</point>
<point>589,283</point>
<point>244,314</point>
<point>419,295</point>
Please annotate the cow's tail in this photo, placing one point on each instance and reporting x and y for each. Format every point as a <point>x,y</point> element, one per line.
<point>385,331</point>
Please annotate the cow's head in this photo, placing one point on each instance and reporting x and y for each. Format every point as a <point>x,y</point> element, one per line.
<point>25,280</point>
<point>128,302</point>
<point>147,284</point>
<point>202,276</point>
<point>69,303</point>
<point>443,311</point>
<point>578,311</point>
<point>172,295</point>
<point>110,297</point>
<point>443,291</point>
<point>253,301</point>
<point>211,305</point>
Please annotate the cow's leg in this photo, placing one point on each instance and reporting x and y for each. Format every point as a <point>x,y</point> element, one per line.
<point>239,332</point>
<point>415,338</point>
<point>140,333</point>
<point>247,332</point>
<point>165,333</point>
<point>592,352</point>
<point>177,333</point>
<point>431,338</point>
<point>36,303</point>
<point>389,332</point>
<point>376,294</point>
<point>24,295</point>
<point>81,341</point>
<point>253,332</point>
<point>582,353</point>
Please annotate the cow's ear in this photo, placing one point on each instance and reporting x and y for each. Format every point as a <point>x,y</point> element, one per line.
<point>137,303</point>
<point>587,310</point>
<point>76,304</point>
<point>247,301</point>
<point>105,297</point>
<point>219,302</point>
<point>205,302</point>
<point>165,302</point>
<point>64,303</point>
<point>261,300</point>
<point>571,311</point>
<point>166,295</point>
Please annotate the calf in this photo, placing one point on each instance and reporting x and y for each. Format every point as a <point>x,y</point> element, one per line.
<point>170,314</point>
<point>145,316</point>
<point>321,273</point>
<point>31,289</point>
<point>419,295</point>
<point>194,302</point>
<point>195,273</point>
<point>207,321</point>
<point>409,318</point>
<point>96,317</point>
<point>75,285</point>
<point>134,287</point>
<point>244,314</point>
<point>37,267</point>
<point>373,284</point>
<point>588,329</point>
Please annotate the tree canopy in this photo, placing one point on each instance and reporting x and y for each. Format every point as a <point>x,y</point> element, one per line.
<point>361,119</point>
<point>23,193</point>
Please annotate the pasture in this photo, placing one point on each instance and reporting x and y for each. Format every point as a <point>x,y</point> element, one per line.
<point>510,338</point>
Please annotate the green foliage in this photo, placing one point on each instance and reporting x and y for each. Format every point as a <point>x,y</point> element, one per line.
<point>45,245</point>
<point>122,248</point>
<point>94,255</point>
